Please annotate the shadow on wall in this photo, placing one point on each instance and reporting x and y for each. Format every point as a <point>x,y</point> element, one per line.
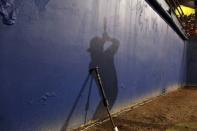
<point>104,58</point>
<point>192,61</point>
<point>64,128</point>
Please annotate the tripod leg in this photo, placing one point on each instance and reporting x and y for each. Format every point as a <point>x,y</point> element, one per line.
<point>105,101</point>
<point>64,128</point>
<point>88,100</point>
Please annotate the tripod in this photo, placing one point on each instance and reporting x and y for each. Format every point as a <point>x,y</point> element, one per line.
<point>66,123</point>
<point>105,101</point>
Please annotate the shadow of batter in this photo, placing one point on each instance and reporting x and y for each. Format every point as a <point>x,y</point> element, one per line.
<point>104,58</point>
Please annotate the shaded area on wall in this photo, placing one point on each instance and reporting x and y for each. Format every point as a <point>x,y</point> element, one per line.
<point>105,60</point>
<point>192,61</point>
<point>64,128</point>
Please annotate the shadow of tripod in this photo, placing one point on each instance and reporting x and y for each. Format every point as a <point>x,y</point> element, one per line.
<point>88,78</point>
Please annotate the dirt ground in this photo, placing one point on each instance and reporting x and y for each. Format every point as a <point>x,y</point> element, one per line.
<point>176,111</point>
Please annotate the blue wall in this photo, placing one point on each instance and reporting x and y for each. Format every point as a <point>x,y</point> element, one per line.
<point>46,55</point>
